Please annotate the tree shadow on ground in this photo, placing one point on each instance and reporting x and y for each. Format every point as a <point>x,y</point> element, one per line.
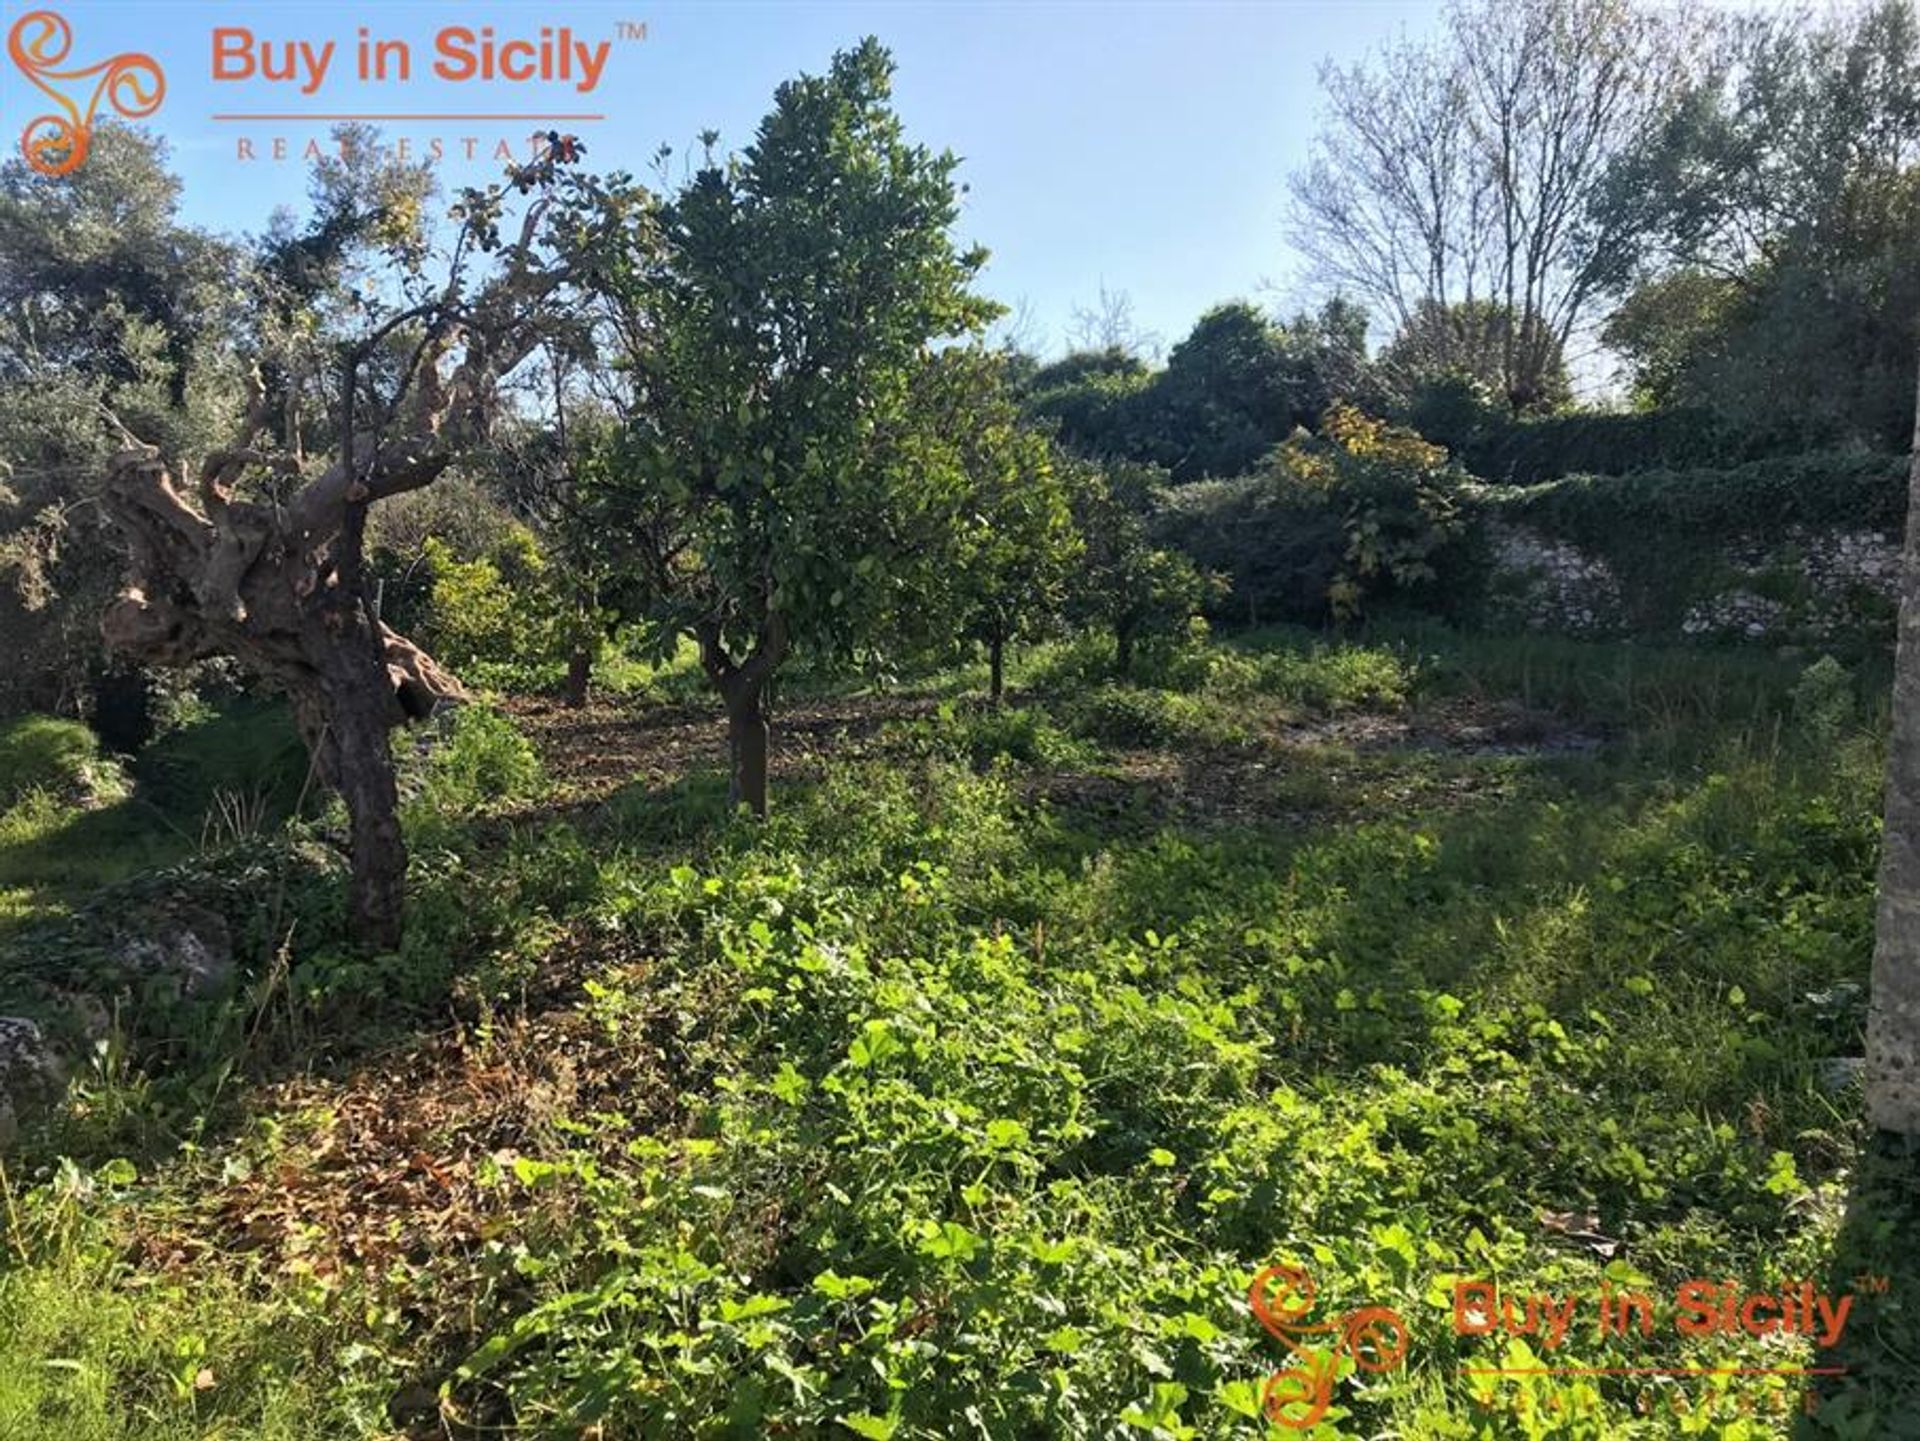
<point>1873,1390</point>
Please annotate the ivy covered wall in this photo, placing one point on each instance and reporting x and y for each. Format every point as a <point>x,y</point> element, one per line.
<point>1787,549</point>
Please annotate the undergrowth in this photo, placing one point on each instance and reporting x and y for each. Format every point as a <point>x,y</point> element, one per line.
<point>942,1105</point>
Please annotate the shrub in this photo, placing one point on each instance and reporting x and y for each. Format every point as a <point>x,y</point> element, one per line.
<point>1279,544</point>
<point>1617,513</point>
<point>1494,446</point>
<point>1125,715</point>
<point>1189,663</point>
<point>1334,678</point>
<point>1025,735</point>
<point>497,618</point>
<point>1344,520</point>
<point>1823,706</point>
<point>480,761</point>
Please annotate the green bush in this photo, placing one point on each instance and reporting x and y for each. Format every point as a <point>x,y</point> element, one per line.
<point>1823,704</point>
<point>1358,515</point>
<point>1279,545</point>
<point>1190,663</point>
<point>497,619</point>
<point>1615,514</point>
<point>1333,678</point>
<point>1494,446</point>
<point>1126,715</point>
<point>1026,735</point>
<point>478,762</point>
<point>60,757</point>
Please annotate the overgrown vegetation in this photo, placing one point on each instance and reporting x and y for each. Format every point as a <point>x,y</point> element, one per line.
<point>1178,870</point>
<point>973,1085</point>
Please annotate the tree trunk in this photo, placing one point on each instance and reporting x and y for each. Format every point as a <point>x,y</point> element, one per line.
<point>1123,651</point>
<point>747,744</point>
<point>996,668</point>
<point>296,615</point>
<point>743,685</point>
<point>1893,1018</point>
<point>361,765</point>
<point>579,677</point>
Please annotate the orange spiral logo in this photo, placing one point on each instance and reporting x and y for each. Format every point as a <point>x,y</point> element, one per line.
<point>1374,1338</point>
<point>57,144</point>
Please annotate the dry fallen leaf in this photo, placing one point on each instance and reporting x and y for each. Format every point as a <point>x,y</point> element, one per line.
<point>1583,1227</point>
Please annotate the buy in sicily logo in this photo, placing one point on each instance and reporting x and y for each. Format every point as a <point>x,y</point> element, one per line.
<point>132,84</point>
<point>1373,1338</point>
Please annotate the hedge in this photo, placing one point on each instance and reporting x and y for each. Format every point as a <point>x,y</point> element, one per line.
<point>1841,490</point>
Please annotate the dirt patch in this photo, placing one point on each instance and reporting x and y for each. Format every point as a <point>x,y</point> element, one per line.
<point>1295,773</point>
<point>608,744</point>
<point>1462,726</point>
<point>1300,774</point>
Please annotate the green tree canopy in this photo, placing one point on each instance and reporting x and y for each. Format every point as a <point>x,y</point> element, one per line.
<point>1784,194</point>
<point>786,486</point>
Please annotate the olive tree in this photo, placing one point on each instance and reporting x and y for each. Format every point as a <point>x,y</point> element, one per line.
<point>260,556</point>
<point>107,299</point>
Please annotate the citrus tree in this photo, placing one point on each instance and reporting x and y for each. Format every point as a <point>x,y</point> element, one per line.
<point>1127,582</point>
<point>784,481</point>
<point>1014,545</point>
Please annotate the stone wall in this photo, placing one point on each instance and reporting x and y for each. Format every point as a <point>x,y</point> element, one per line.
<point>1804,585</point>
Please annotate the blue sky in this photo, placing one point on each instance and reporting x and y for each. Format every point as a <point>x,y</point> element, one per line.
<point>1143,147</point>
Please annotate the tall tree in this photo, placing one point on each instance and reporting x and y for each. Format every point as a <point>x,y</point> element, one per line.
<point>1469,170</point>
<point>106,299</point>
<point>783,479</point>
<point>1234,388</point>
<point>1470,340</point>
<point>1229,394</point>
<point>1782,204</point>
<point>1240,383</point>
<point>1109,324</point>
<point>1094,401</point>
<point>262,557</point>
<point>1893,1017</point>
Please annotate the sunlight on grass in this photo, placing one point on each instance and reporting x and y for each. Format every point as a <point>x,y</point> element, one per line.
<point>952,1049</point>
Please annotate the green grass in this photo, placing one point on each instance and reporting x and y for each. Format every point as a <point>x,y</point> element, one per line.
<point>81,822</point>
<point>955,1101</point>
<point>1652,694</point>
<point>55,757</point>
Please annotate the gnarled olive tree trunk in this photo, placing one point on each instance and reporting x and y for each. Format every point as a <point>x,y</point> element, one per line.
<point>1893,1019</point>
<point>242,579</point>
<point>278,586</point>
